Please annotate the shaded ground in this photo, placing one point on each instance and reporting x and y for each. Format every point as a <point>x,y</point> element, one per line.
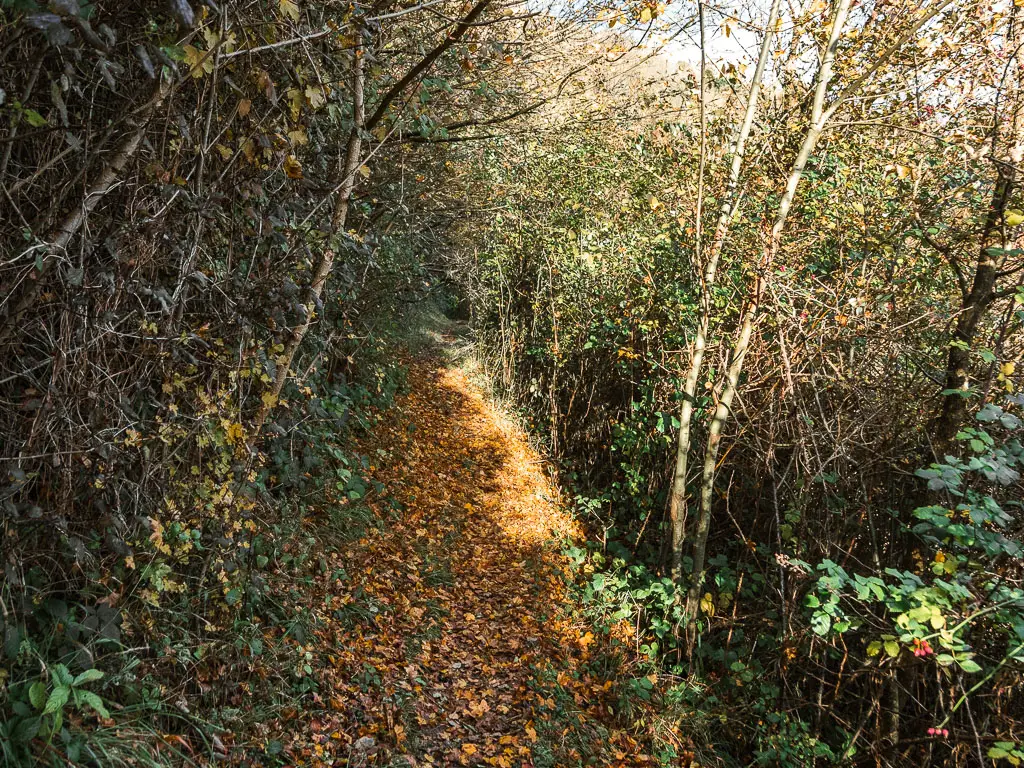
<point>451,637</point>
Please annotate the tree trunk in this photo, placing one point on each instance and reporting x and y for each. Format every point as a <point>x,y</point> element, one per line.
<point>347,169</point>
<point>975,304</point>
<point>723,409</point>
<point>726,213</point>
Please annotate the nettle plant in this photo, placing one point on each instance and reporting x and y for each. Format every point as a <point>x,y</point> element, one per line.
<point>965,590</point>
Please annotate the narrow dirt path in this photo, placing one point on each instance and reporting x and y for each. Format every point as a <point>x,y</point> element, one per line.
<point>455,642</point>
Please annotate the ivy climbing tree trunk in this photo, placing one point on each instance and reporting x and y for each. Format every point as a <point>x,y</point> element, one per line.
<point>726,214</point>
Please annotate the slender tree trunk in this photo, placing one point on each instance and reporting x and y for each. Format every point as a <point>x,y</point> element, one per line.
<point>726,213</point>
<point>350,165</point>
<point>975,304</point>
<point>983,288</point>
<point>347,169</point>
<point>817,124</point>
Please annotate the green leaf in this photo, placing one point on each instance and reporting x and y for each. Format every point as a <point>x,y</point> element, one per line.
<point>58,698</point>
<point>892,648</point>
<point>37,694</point>
<point>232,597</point>
<point>821,623</point>
<point>87,677</point>
<point>34,118</point>
<point>91,699</point>
<point>26,730</point>
<point>921,613</point>
<point>969,666</point>
<point>60,675</point>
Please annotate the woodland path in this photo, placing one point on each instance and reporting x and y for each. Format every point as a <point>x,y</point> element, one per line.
<point>455,640</point>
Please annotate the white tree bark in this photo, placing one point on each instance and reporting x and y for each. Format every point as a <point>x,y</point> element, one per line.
<point>818,119</point>
<point>726,214</point>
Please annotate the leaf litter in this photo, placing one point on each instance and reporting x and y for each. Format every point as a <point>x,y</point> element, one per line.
<point>445,634</point>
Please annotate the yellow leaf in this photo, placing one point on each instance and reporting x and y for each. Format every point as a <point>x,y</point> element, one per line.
<point>249,148</point>
<point>531,732</point>
<point>225,152</point>
<point>364,171</point>
<point>707,604</point>
<point>295,98</point>
<point>315,96</point>
<point>645,15</point>
<point>198,66</point>
<point>269,399</point>
<point>1007,368</point>
<point>289,8</point>
<point>298,136</point>
<point>1013,217</point>
<point>234,433</point>
<point>292,167</point>
<point>469,749</point>
<point>212,37</point>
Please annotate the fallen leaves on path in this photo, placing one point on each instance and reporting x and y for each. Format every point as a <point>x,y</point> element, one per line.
<point>449,634</point>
